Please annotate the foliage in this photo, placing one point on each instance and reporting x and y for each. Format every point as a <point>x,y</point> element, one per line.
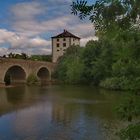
<point>41,57</point>
<point>32,80</point>
<point>32,57</point>
<point>114,61</point>
<point>89,56</point>
<point>18,56</point>
<point>70,66</point>
<point>107,13</point>
<point>131,132</point>
<point>110,63</point>
<point>129,109</point>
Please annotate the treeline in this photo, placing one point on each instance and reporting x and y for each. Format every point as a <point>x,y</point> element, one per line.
<point>26,57</point>
<point>110,62</point>
<point>114,61</point>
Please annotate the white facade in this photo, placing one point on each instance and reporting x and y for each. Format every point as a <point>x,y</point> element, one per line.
<point>60,44</point>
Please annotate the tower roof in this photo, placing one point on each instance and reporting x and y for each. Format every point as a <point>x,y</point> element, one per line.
<point>66,34</point>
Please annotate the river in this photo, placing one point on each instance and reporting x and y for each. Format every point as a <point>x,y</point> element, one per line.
<point>57,113</point>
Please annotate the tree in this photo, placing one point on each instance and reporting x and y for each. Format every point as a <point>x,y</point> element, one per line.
<point>41,57</point>
<point>18,56</point>
<point>109,14</point>
<point>70,66</point>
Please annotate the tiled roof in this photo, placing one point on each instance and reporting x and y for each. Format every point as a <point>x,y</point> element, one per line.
<point>66,34</point>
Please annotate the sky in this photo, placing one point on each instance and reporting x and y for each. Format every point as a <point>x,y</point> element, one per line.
<point>26,26</point>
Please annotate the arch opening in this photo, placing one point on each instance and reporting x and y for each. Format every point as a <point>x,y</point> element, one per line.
<point>44,75</point>
<point>15,75</point>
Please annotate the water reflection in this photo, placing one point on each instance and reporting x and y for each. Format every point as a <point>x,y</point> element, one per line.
<point>15,95</point>
<point>55,113</point>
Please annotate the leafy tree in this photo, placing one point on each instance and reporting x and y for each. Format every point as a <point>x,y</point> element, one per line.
<point>41,57</point>
<point>107,13</point>
<point>70,66</point>
<point>90,54</point>
<point>18,56</point>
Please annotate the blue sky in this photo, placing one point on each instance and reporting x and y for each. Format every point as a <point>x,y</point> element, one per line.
<point>28,25</point>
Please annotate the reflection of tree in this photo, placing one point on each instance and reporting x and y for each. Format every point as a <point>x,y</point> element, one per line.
<point>15,95</point>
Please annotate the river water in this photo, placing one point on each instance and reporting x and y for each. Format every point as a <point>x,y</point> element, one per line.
<point>57,113</point>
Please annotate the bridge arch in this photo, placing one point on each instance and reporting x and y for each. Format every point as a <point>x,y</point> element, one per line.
<point>43,73</point>
<point>14,74</point>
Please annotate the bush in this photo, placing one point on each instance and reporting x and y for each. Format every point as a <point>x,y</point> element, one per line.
<point>121,83</point>
<point>32,80</point>
<point>132,132</point>
<point>111,83</point>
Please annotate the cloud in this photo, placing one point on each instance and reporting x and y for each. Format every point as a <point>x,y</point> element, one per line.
<point>10,37</point>
<point>36,42</point>
<point>85,40</point>
<point>27,10</point>
<point>22,44</point>
<point>3,51</point>
<point>34,22</point>
<point>27,24</point>
<point>32,27</point>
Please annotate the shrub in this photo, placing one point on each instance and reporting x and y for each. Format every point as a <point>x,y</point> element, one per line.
<point>32,80</point>
<point>121,83</point>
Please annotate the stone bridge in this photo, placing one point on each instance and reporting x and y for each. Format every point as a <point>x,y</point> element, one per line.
<point>18,70</point>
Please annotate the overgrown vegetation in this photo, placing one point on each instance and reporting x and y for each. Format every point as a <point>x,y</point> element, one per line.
<point>129,109</point>
<point>109,63</point>
<point>32,57</point>
<point>41,57</point>
<point>114,62</point>
<point>32,80</point>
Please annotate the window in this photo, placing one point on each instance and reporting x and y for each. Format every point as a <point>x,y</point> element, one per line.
<point>57,50</point>
<point>57,39</point>
<point>64,39</point>
<point>64,44</point>
<point>57,44</point>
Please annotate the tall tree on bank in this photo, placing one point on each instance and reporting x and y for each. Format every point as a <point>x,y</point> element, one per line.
<point>116,21</point>
<point>109,14</point>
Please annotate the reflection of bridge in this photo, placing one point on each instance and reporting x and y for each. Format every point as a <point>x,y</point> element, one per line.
<point>19,70</point>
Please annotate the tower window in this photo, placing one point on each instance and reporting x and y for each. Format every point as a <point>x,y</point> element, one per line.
<point>57,44</point>
<point>64,44</point>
